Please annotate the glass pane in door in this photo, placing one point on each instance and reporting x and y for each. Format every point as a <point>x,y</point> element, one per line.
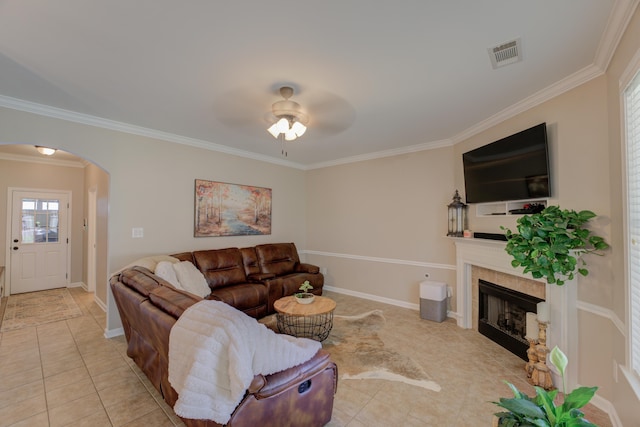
<point>40,220</point>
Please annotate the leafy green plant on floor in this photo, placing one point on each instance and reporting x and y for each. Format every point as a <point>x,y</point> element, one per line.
<point>550,244</point>
<point>542,411</point>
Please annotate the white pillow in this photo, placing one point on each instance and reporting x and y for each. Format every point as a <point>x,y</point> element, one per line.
<point>191,279</point>
<point>164,270</point>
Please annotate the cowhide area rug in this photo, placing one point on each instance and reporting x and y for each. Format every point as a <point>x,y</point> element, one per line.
<point>361,354</point>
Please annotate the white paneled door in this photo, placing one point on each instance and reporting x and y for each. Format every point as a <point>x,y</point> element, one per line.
<point>39,241</point>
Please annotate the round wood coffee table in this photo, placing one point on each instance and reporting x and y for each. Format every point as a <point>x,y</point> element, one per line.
<point>313,320</point>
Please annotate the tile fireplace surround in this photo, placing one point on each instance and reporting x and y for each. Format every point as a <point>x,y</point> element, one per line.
<point>487,259</point>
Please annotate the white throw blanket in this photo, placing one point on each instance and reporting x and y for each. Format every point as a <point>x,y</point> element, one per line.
<point>215,351</point>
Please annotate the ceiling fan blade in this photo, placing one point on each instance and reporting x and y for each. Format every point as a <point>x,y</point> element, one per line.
<point>242,107</point>
<point>329,113</point>
<point>249,109</point>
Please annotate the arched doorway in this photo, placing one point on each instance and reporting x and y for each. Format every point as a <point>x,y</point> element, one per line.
<point>24,167</point>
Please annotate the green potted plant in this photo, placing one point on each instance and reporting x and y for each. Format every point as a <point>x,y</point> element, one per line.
<point>305,297</point>
<point>542,411</point>
<point>550,244</point>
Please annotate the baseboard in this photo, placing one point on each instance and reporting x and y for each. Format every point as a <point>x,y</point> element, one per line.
<point>383,300</point>
<point>112,333</point>
<point>370,297</point>
<point>77,285</point>
<point>606,406</point>
<point>99,303</point>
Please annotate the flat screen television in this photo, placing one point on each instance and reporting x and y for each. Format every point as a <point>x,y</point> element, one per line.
<point>512,168</point>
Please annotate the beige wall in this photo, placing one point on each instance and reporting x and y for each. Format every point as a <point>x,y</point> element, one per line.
<point>379,226</point>
<point>18,174</point>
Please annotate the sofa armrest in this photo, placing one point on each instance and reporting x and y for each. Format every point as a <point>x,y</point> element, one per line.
<point>259,277</point>
<point>307,268</point>
<point>266,386</point>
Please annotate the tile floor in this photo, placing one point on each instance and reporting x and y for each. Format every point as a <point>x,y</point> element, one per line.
<point>67,373</point>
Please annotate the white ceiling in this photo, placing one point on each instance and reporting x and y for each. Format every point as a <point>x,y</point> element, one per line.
<point>378,77</point>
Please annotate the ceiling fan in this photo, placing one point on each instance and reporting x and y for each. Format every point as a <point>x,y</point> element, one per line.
<point>291,121</point>
<point>246,110</point>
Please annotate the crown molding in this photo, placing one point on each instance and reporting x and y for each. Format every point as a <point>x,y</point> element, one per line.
<point>550,92</point>
<point>86,119</point>
<point>385,153</point>
<point>617,23</point>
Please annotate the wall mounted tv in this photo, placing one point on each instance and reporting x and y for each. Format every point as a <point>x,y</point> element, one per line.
<point>512,168</point>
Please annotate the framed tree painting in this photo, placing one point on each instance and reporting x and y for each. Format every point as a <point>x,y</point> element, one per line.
<point>223,209</point>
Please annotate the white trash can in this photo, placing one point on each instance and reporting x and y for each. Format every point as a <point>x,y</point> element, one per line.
<point>433,301</point>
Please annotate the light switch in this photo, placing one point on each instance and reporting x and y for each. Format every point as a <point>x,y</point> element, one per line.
<point>137,232</point>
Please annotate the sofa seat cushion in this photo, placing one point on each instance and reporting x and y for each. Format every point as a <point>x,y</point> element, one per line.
<point>244,297</point>
<point>229,349</point>
<point>291,283</point>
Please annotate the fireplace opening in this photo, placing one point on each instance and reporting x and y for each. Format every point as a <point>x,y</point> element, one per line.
<point>502,316</point>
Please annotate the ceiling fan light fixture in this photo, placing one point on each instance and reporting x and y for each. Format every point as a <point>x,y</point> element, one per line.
<point>290,119</point>
<point>46,151</point>
<point>273,130</point>
<point>283,125</point>
<point>298,128</point>
<point>290,135</point>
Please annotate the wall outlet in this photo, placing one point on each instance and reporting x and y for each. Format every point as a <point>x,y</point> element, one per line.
<point>137,232</point>
<point>323,270</point>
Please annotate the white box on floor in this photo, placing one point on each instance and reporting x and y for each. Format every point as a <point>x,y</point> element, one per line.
<point>433,300</point>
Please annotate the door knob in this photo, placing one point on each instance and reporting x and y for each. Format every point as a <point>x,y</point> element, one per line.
<point>15,248</point>
<point>15,240</point>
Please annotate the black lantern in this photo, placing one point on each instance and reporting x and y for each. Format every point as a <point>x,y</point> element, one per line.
<point>457,216</point>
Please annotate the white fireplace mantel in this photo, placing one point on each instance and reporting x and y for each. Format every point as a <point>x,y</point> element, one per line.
<point>563,325</point>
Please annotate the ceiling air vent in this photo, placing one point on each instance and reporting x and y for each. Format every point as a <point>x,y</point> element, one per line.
<point>505,54</point>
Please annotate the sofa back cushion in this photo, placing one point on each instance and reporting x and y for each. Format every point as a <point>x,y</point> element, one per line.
<point>250,260</point>
<point>185,256</point>
<point>277,258</point>
<point>172,301</point>
<point>221,267</point>
<point>140,279</point>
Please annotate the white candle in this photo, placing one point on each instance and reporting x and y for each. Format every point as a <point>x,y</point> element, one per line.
<point>543,312</point>
<point>532,327</point>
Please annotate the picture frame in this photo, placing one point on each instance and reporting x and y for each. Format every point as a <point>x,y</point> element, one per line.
<point>224,209</point>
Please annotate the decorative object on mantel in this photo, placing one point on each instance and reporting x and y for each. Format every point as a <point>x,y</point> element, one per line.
<point>551,243</point>
<point>542,410</point>
<point>457,216</point>
<point>540,373</point>
<point>531,336</point>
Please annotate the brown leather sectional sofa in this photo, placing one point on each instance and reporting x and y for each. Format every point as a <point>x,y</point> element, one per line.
<point>149,307</point>
<point>252,279</point>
